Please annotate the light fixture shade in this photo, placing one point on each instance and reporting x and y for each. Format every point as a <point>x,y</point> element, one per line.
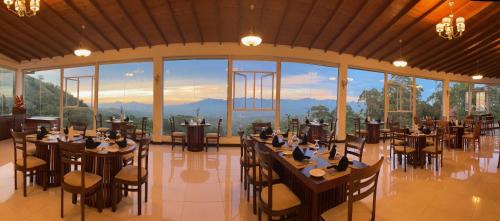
<point>8,2</point>
<point>82,52</point>
<point>446,21</point>
<point>251,40</point>
<point>400,63</point>
<point>439,27</point>
<point>477,77</point>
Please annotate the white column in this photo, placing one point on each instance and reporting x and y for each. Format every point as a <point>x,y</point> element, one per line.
<point>19,82</point>
<point>229,125</point>
<point>342,101</point>
<point>157,98</point>
<point>96,92</point>
<point>386,101</point>
<point>414,99</point>
<point>278,94</point>
<point>446,99</point>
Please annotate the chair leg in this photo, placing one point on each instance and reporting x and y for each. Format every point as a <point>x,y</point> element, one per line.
<point>217,145</point>
<point>45,178</point>
<point>100,198</point>
<point>139,199</point>
<point>260,214</point>
<point>24,183</point>
<point>114,189</point>
<point>254,198</point>
<point>146,192</point>
<point>206,145</point>
<point>15,179</point>
<point>173,142</point>
<point>82,205</point>
<point>62,203</point>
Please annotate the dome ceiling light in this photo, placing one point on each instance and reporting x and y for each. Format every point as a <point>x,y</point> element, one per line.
<point>251,39</point>
<point>81,51</point>
<point>400,62</point>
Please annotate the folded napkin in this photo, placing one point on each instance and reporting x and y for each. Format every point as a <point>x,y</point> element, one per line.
<point>269,131</point>
<point>122,143</point>
<point>303,139</point>
<point>39,135</point>
<point>263,135</point>
<point>203,121</point>
<point>286,134</point>
<point>66,130</point>
<point>298,155</point>
<point>378,120</point>
<point>321,121</point>
<point>186,122</point>
<point>307,121</point>
<point>343,164</point>
<point>126,119</point>
<point>44,130</point>
<point>112,134</point>
<point>276,141</point>
<point>91,144</point>
<point>333,152</point>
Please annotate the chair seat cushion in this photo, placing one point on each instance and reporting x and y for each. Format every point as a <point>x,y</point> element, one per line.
<point>360,211</point>
<point>130,173</point>
<point>402,150</point>
<point>31,162</point>
<point>103,129</point>
<point>283,197</point>
<point>212,135</point>
<point>432,149</point>
<point>257,174</point>
<point>178,134</point>
<point>74,178</point>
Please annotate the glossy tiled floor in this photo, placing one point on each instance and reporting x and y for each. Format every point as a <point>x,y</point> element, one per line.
<point>206,186</point>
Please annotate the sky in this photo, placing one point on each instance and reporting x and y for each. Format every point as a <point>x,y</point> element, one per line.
<point>187,81</point>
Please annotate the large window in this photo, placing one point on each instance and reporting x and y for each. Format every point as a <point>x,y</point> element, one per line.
<point>7,82</point>
<point>41,92</point>
<point>458,99</point>
<point>78,100</point>
<point>494,100</point>
<point>365,96</point>
<point>429,98</point>
<point>126,89</point>
<point>195,86</point>
<point>257,90</point>
<point>308,90</point>
<point>400,95</point>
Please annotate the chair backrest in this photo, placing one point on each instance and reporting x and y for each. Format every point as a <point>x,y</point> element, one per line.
<point>218,127</point>
<point>356,143</point>
<point>362,183</point>
<point>293,125</point>
<point>257,126</point>
<point>98,120</point>
<point>144,124</point>
<point>265,173</point>
<point>331,139</point>
<point>143,155</point>
<point>128,131</point>
<point>19,140</point>
<point>72,156</point>
<point>172,124</point>
<point>477,130</point>
<point>333,124</point>
<point>357,125</point>
<point>249,155</point>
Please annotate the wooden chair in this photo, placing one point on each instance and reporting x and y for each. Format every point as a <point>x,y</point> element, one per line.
<point>213,136</point>
<point>435,150</point>
<point>362,183</point>
<point>400,145</point>
<point>127,131</point>
<point>358,132</point>
<point>488,125</point>
<point>140,133</point>
<point>474,137</point>
<point>79,126</point>
<point>253,172</point>
<point>78,181</point>
<point>293,125</point>
<point>134,176</point>
<point>275,199</point>
<point>176,134</point>
<point>385,132</point>
<point>27,164</point>
<point>258,126</point>
<point>99,125</point>
<point>332,130</point>
<point>447,136</point>
<point>354,146</point>
<point>242,158</point>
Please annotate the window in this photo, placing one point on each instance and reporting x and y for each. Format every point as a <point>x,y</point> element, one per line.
<point>400,95</point>
<point>458,99</point>
<point>307,90</point>
<point>126,89</point>
<point>494,100</point>
<point>197,85</point>
<point>242,119</point>
<point>7,82</point>
<point>429,98</point>
<point>78,100</point>
<point>365,96</point>
<point>479,101</point>
<point>41,92</point>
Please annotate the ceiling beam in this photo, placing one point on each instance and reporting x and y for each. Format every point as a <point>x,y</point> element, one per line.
<point>261,12</point>
<point>466,56</point>
<point>110,22</point>
<point>11,52</point>
<point>381,31</point>
<point>196,21</point>
<point>66,37</point>
<point>330,20</point>
<point>29,40</point>
<point>155,23</point>
<point>281,22</point>
<point>134,24</point>
<point>313,5</point>
<point>178,29</point>
<point>20,47</point>
<point>363,29</point>
<point>493,72</point>
<point>90,23</point>
<point>346,25</point>
<point>218,21</point>
<point>405,29</point>
<point>472,67</point>
<point>75,29</point>
<point>483,58</point>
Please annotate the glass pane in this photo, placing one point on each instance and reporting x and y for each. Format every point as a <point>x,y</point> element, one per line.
<point>126,89</point>
<point>79,95</point>
<point>195,85</point>
<point>365,96</point>
<point>458,99</point>
<point>41,92</point>
<point>400,99</point>
<point>429,98</point>
<point>307,90</point>
<point>494,100</point>
<point>7,82</point>
<point>243,119</point>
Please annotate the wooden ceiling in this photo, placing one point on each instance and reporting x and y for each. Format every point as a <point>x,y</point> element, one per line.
<point>367,28</point>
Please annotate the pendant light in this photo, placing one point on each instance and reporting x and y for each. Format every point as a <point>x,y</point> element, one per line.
<point>82,51</point>
<point>400,62</point>
<point>477,76</point>
<point>251,39</point>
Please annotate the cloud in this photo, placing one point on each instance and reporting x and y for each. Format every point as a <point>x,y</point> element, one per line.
<point>301,79</point>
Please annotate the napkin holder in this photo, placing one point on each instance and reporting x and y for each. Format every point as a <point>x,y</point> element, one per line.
<point>91,144</point>
<point>43,131</point>
<point>122,143</point>
<point>343,164</point>
<point>276,141</point>
<point>298,155</point>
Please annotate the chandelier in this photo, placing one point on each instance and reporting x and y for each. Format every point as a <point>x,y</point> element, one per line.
<point>445,28</point>
<point>400,62</point>
<point>20,7</point>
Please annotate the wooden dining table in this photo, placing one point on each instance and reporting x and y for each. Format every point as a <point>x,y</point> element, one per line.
<point>373,132</point>
<point>117,123</point>
<point>316,131</point>
<point>105,161</point>
<point>195,135</point>
<point>316,194</point>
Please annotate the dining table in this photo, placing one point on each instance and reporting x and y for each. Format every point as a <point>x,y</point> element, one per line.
<point>459,133</point>
<point>105,161</point>
<point>316,131</point>
<point>195,135</point>
<point>373,132</point>
<point>117,123</point>
<point>419,141</point>
<point>317,194</point>
<point>33,122</point>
